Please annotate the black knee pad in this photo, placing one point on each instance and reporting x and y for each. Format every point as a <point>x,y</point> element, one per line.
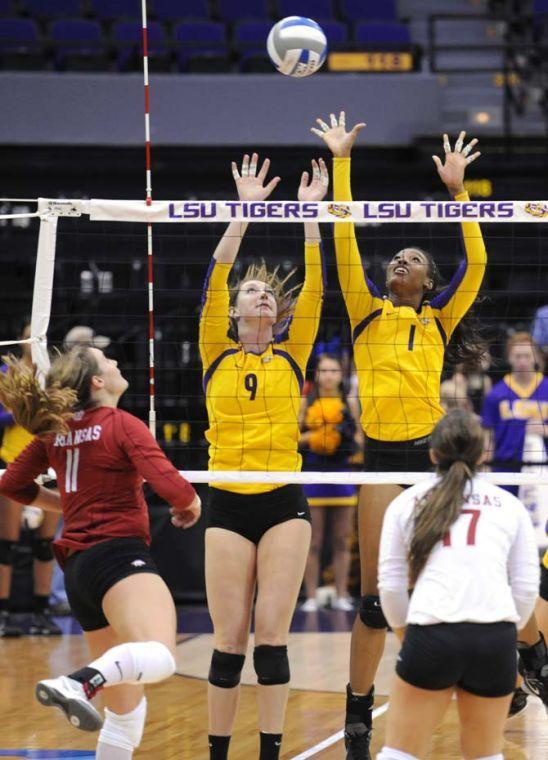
<point>225,669</point>
<point>371,613</point>
<point>41,549</point>
<point>271,664</point>
<point>6,552</point>
<point>544,583</point>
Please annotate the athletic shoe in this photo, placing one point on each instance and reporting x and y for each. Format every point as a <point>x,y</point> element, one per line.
<point>311,605</point>
<point>69,696</point>
<point>42,624</point>
<point>518,703</point>
<point>357,738</point>
<point>343,603</point>
<point>536,682</point>
<point>7,629</point>
<point>60,609</point>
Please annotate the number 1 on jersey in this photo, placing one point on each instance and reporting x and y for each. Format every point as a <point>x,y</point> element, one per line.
<point>471,534</point>
<point>71,474</point>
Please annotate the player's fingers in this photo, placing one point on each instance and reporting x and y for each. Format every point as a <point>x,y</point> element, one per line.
<point>333,119</point>
<point>272,184</point>
<point>304,179</point>
<point>263,171</point>
<point>323,125</point>
<point>324,173</point>
<point>469,147</point>
<point>473,157</point>
<point>446,144</point>
<point>245,166</point>
<point>315,170</point>
<point>342,119</point>
<point>438,162</point>
<point>317,132</point>
<point>357,129</point>
<point>253,165</point>
<point>460,142</point>
<point>235,172</point>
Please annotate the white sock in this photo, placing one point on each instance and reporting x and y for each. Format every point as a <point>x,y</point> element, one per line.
<point>135,662</point>
<point>108,752</point>
<point>121,734</point>
<point>388,753</point>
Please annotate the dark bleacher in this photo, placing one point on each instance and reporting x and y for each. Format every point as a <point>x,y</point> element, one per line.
<point>201,47</point>
<point>185,35</point>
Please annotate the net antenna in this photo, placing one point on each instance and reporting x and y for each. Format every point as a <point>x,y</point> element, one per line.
<point>150,251</point>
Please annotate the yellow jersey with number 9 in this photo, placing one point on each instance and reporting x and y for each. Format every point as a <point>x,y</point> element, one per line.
<point>253,400</point>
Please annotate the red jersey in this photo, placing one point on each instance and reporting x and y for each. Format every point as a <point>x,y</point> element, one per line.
<point>100,465</point>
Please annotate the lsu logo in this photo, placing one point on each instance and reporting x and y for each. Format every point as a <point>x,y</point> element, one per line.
<point>339,210</point>
<point>537,209</point>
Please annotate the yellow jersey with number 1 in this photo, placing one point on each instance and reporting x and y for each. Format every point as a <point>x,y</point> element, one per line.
<point>399,351</point>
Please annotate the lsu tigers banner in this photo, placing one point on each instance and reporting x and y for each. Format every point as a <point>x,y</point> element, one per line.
<point>360,212</point>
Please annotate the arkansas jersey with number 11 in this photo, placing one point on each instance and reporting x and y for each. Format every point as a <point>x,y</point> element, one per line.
<point>100,463</point>
<point>485,570</point>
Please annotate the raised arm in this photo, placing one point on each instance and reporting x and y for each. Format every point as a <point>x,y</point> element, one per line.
<point>214,318</point>
<point>303,328</point>
<point>358,290</point>
<point>455,300</point>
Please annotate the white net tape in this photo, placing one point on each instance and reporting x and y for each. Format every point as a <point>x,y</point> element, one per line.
<point>361,212</point>
<point>354,478</point>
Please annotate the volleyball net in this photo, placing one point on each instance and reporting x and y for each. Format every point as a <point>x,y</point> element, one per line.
<point>91,269</point>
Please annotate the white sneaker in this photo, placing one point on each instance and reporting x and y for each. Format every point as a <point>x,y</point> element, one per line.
<point>343,603</point>
<point>69,696</point>
<point>311,605</point>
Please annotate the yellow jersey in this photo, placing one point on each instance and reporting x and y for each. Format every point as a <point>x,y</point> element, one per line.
<point>253,400</point>
<point>399,351</point>
<point>15,439</point>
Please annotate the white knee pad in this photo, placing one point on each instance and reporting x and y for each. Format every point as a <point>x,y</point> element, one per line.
<point>388,753</point>
<point>153,662</point>
<point>124,731</point>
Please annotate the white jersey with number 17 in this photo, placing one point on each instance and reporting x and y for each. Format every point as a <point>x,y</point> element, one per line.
<point>485,570</point>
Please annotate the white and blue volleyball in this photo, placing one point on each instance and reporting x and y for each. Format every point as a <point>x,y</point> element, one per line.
<point>297,46</point>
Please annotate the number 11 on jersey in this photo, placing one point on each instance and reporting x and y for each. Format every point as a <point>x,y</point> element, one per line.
<point>71,474</point>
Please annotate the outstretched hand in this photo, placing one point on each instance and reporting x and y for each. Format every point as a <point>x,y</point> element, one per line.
<point>337,139</point>
<point>456,161</point>
<point>250,183</point>
<point>316,190</point>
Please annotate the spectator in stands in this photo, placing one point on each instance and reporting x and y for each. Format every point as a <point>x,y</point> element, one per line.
<point>517,407</point>
<point>81,335</point>
<point>467,387</point>
<point>539,330</point>
<point>14,440</point>
<point>331,433</point>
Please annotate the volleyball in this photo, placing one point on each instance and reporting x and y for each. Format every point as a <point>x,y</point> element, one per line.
<point>297,46</point>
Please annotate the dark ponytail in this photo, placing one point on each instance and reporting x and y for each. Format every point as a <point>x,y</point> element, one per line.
<point>457,443</point>
<point>468,343</point>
